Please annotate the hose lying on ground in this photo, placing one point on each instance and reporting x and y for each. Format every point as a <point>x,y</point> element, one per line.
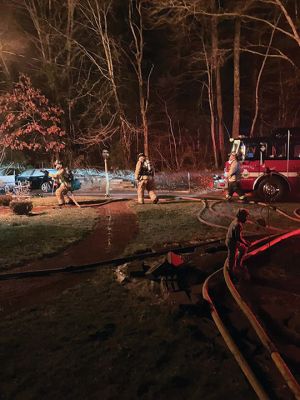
<point>266,341</point>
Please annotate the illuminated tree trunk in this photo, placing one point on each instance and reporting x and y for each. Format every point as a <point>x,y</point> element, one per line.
<point>98,17</point>
<point>220,115</point>
<point>289,20</point>
<point>138,54</point>
<point>69,35</point>
<point>258,83</point>
<point>217,75</point>
<point>236,79</point>
<point>211,105</point>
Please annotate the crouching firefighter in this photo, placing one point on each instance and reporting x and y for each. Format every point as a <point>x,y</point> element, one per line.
<point>237,246</point>
<point>144,176</point>
<point>64,179</point>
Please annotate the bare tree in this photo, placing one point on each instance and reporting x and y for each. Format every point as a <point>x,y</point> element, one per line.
<point>53,39</point>
<point>258,83</point>
<point>97,67</point>
<point>216,63</point>
<point>204,59</point>
<point>97,20</point>
<point>211,100</point>
<point>291,23</point>
<point>236,79</point>
<point>137,50</point>
<point>172,140</point>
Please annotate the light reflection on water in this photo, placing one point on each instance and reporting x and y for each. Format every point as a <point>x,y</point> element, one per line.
<point>109,233</point>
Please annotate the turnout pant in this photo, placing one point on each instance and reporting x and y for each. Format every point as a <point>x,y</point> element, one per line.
<point>236,254</point>
<point>235,187</point>
<point>146,183</point>
<point>61,194</point>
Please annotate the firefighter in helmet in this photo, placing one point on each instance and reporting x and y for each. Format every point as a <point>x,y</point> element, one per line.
<point>237,246</point>
<point>64,184</point>
<point>144,176</point>
<point>233,177</point>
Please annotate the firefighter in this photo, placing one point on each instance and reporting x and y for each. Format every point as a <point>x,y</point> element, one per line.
<point>64,184</point>
<point>237,246</point>
<point>144,176</point>
<point>233,177</point>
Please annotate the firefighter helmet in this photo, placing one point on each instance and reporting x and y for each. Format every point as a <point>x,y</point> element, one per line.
<point>58,163</point>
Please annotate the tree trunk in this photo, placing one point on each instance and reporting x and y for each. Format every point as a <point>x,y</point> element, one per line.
<point>145,130</point>
<point>217,74</point>
<point>211,105</point>
<point>236,80</point>
<point>137,31</point>
<point>258,83</point>
<point>220,115</point>
<point>110,63</point>
<point>69,36</point>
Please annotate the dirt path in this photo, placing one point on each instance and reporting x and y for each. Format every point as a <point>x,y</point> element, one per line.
<point>116,227</point>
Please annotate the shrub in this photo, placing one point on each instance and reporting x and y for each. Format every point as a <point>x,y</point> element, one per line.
<point>21,207</point>
<point>5,199</point>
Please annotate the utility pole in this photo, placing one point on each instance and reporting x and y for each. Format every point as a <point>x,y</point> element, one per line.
<point>105,155</point>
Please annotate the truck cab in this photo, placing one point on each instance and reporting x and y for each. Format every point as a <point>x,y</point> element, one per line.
<point>270,165</point>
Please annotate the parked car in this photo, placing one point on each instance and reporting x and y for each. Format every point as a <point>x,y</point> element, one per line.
<point>41,179</point>
<point>38,178</point>
<point>8,176</point>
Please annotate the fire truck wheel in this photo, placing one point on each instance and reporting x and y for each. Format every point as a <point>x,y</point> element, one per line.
<point>272,189</point>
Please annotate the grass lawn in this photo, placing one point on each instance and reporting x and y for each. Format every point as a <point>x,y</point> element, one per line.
<point>169,223</point>
<point>46,232</point>
<point>40,201</point>
<point>50,231</point>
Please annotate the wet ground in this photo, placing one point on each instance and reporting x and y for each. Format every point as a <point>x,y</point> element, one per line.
<point>116,227</point>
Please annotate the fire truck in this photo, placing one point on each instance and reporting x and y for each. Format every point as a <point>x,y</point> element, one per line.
<point>270,166</point>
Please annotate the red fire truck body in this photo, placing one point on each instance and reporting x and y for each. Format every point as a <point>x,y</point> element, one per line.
<point>270,165</point>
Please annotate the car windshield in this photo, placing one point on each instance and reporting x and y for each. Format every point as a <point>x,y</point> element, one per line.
<point>37,172</point>
<point>26,173</point>
<point>51,171</point>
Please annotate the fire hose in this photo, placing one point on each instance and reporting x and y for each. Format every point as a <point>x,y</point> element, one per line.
<point>266,341</point>
<point>243,364</point>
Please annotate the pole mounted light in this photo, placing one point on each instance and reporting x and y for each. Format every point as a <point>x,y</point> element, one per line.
<point>105,155</point>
